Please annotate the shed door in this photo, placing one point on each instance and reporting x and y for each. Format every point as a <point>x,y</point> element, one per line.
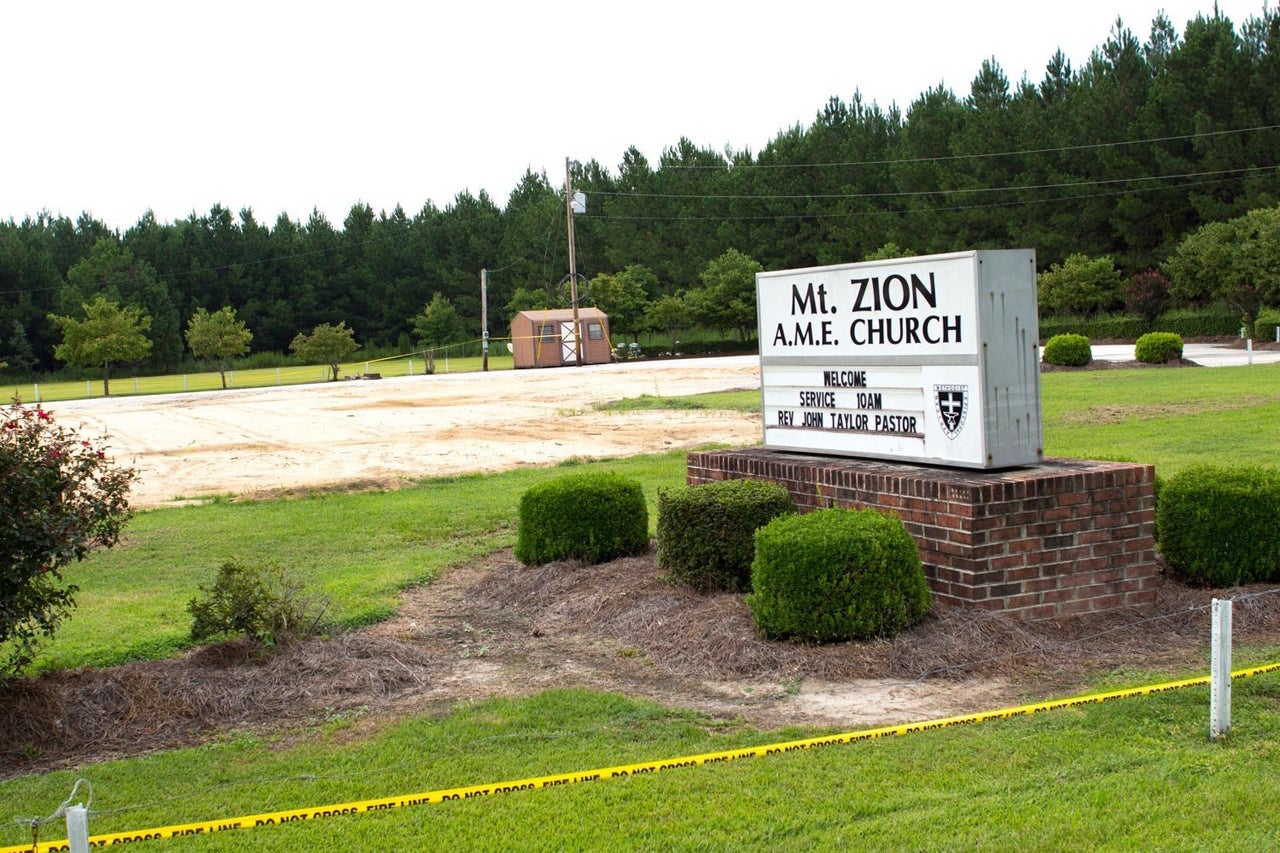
<point>568,344</point>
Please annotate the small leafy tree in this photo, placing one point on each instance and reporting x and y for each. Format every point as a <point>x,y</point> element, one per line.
<point>18,353</point>
<point>112,271</point>
<point>727,298</point>
<point>1237,261</point>
<point>108,335</point>
<point>326,344</point>
<point>218,337</point>
<point>62,497</point>
<point>624,296</point>
<point>667,314</point>
<point>1079,285</point>
<point>1147,294</point>
<point>438,323</point>
<point>529,299</point>
<point>889,251</point>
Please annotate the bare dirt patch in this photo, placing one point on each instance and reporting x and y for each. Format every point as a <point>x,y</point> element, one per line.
<point>389,432</point>
<point>1115,414</point>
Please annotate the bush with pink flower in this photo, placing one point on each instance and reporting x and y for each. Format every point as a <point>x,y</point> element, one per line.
<point>61,497</point>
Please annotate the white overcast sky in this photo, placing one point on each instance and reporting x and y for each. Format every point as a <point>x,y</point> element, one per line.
<point>119,107</point>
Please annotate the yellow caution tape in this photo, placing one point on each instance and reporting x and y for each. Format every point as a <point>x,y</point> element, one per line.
<point>623,770</point>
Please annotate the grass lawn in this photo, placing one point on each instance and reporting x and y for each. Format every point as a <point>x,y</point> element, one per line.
<point>733,401</point>
<point>359,550</point>
<point>1172,418</point>
<point>1133,774</point>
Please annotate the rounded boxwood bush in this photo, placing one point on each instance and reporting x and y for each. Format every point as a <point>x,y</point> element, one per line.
<point>1221,526</point>
<point>1068,351</point>
<point>837,574</point>
<point>706,533</point>
<point>1158,348</point>
<point>589,517</point>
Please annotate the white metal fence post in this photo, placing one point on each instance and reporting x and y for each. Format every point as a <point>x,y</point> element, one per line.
<point>78,829</point>
<point>1220,669</point>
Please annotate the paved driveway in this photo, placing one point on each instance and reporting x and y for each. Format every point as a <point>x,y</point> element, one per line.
<point>1209,355</point>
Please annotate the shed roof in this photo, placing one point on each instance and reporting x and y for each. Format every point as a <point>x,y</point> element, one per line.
<point>560,315</point>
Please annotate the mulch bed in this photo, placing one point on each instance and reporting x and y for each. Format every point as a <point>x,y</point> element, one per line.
<point>531,619</point>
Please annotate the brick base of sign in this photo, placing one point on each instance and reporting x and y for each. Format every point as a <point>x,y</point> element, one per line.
<point>1061,538</point>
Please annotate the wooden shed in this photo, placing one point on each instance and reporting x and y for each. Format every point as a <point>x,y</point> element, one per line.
<point>546,338</point>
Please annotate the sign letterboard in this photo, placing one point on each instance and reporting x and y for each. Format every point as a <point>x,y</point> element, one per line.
<point>931,359</point>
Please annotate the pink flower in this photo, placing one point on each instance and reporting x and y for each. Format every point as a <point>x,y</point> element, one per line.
<point>42,414</point>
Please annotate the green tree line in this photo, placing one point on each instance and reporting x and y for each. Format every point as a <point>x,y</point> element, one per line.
<point>1122,158</point>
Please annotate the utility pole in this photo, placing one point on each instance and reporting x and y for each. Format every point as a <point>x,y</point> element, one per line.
<point>573,261</point>
<point>484,318</point>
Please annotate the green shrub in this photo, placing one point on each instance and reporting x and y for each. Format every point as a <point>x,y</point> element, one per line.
<point>706,534</point>
<point>836,574</point>
<point>1214,321</point>
<point>1120,326</point>
<point>1146,294</point>
<point>1221,526</point>
<point>1158,348</point>
<point>590,517</point>
<point>262,360</point>
<point>1068,350</point>
<point>1080,285</point>
<point>60,498</point>
<point>1268,324</point>
<point>260,602</point>
<point>1211,322</point>
<point>732,345</point>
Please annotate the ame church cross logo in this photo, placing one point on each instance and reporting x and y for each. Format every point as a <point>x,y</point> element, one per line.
<point>949,401</point>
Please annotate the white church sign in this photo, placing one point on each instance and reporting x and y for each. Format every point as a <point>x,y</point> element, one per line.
<point>932,359</point>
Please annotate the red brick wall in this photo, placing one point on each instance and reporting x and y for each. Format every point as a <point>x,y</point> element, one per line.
<point>1061,538</point>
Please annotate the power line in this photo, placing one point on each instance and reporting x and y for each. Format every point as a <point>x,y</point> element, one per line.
<point>911,193</point>
<point>30,290</point>
<point>932,209</point>
<point>726,166</point>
